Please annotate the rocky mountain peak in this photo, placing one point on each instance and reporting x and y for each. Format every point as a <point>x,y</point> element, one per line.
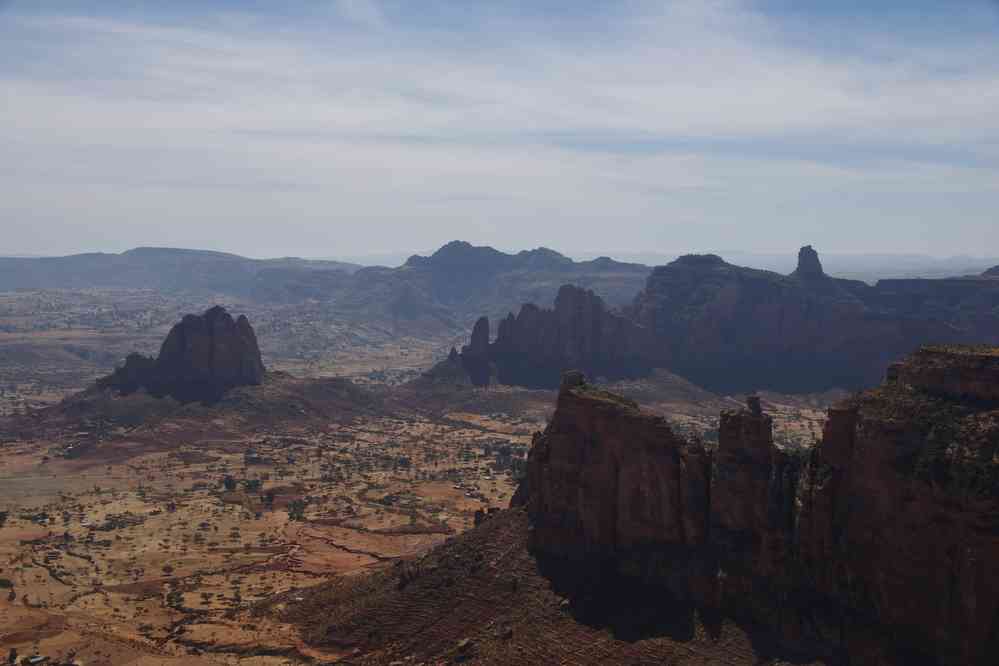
<point>479,344</point>
<point>809,265</point>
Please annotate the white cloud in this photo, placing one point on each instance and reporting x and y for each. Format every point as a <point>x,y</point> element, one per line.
<point>701,123</point>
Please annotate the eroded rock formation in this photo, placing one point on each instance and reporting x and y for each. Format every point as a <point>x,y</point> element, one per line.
<point>809,266</point>
<point>881,543</point>
<point>201,358</point>
<point>734,329</point>
<point>601,453</point>
<point>475,355</point>
<point>535,346</point>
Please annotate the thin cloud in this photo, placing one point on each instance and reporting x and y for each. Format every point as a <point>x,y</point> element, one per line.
<point>362,12</point>
<point>682,123</point>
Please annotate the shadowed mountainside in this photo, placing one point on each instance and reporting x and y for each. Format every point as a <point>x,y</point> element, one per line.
<point>733,329</point>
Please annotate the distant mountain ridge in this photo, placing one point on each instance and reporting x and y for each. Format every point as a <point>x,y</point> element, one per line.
<point>459,282</point>
<point>730,328</point>
<point>438,294</point>
<point>150,268</point>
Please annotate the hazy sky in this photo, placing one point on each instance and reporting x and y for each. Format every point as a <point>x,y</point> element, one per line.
<point>363,126</point>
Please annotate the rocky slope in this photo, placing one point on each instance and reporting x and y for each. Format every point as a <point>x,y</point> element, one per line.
<point>201,358</point>
<point>484,598</point>
<point>878,545</point>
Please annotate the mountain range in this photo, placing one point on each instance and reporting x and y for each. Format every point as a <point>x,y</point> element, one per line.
<point>719,325</point>
<point>731,329</point>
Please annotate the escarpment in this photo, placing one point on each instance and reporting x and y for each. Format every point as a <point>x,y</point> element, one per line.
<point>881,543</point>
<point>201,358</point>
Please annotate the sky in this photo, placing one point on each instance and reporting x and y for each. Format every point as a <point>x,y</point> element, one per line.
<point>364,127</point>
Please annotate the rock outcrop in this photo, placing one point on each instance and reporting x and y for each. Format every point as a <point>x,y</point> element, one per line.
<point>534,347</point>
<point>809,266</point>
<point>201,358</point>
<point>880,543</point>
<point>960,372</point>
<point>600,454</point>
<point>475,355</point>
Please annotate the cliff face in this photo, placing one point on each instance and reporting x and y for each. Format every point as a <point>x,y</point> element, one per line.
<point>730,328</point>
<point>475,355</point>
<point>605,476</point>
<point>880,543</point>
<point>202,357</point>
<point>534,347</point>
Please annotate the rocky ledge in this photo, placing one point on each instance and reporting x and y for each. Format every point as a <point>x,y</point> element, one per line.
<point>964,372</point>
<point>879,544</point>
<point>201,358</point>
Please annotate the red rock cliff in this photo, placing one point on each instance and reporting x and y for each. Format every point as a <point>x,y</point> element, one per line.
<point>881,543</point>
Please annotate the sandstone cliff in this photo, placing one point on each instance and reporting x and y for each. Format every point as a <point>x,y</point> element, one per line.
<point>201,358</point>
<point>880,543</point>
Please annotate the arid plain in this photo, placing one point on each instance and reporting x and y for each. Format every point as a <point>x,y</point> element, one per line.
<point>139,530</point>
